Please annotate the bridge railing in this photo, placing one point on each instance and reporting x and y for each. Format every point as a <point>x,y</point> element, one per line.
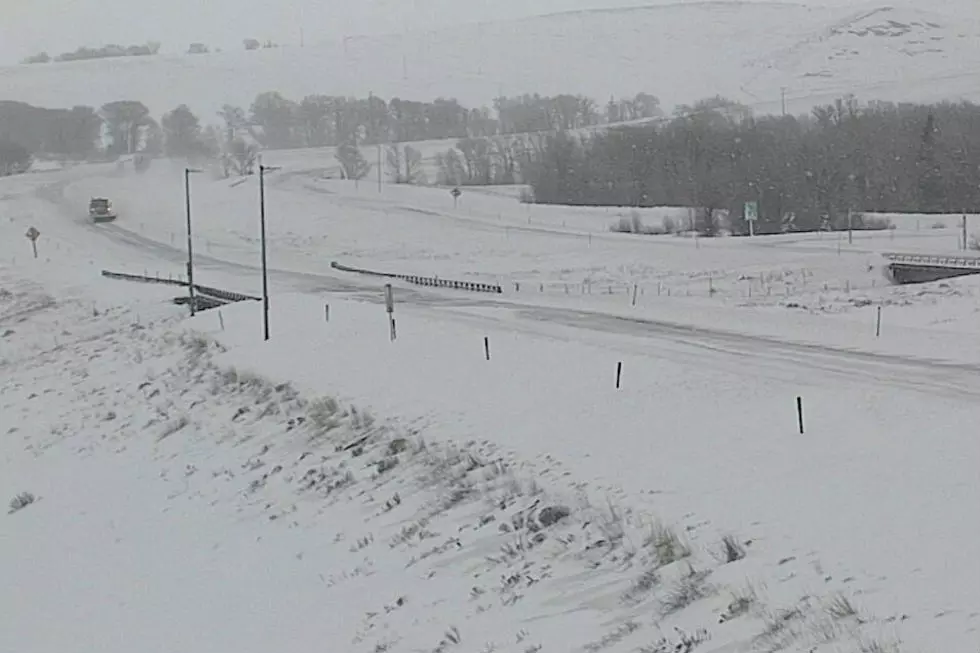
<point>944,261</point>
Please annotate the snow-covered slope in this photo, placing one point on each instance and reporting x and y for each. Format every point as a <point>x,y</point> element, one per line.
<point>680,52</point>
<point>170,495</point>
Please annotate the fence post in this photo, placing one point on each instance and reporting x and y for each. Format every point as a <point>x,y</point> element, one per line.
<point>486,346</point>
<point>799,413</point>
<point>619,373</point>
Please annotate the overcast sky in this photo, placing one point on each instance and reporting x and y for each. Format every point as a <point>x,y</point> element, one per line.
<point>30,26</point>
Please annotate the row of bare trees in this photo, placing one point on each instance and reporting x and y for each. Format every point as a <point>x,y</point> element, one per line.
<point>495,160</point>
<point>275,122</point>
<point>148,49</point>
<point>85,53</point>
<point>804,172</point>
<point>321,120</point>
<point>71,133</point>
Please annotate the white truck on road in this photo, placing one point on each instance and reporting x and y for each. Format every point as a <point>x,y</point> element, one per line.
<point>100,210</point>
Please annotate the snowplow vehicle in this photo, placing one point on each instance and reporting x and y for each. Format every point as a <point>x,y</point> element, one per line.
<point>100,210</point>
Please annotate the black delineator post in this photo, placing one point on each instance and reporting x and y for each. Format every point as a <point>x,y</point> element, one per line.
<point>619,374</point>
<point>390,309</point>
<point>799,413</point>
<point>878,324</point>
<point>486,346</point>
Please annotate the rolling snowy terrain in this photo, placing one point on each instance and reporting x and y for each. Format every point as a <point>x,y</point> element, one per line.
<point>640,444</point>
<point>679,52</point>
<point>180,484</point>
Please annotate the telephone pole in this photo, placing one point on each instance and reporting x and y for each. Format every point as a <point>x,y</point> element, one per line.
<point>265,270</point>
<point>190,241</point>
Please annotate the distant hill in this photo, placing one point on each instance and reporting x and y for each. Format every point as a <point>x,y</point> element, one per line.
<point>681,53</point>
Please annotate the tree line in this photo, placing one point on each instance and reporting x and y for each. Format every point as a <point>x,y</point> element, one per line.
<point>325,120</point>
<point>113,50</point>
<point>275,122</point>
<point>109,51</point>
<point>804,172</point>
<point>26,130</point>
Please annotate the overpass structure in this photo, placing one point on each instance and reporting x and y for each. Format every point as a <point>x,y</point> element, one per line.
<point>922,268</point>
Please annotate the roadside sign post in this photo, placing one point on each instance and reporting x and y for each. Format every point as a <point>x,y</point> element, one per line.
<point>456,192</point>
<point>751,215</point>
<point>32,235</point>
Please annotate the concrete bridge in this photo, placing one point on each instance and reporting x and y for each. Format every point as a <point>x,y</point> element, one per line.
<point>922,268</point>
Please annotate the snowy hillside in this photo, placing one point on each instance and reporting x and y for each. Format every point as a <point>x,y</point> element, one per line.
<point>682,52</point>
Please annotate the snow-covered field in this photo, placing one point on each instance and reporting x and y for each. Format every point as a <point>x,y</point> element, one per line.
<point>180,501</point>
<point>197,489</point>
<point>681,52</point>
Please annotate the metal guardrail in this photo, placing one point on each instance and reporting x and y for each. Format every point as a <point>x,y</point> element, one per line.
<point>206,291</point>
<point>965,262</point>
<point>144,279</point>
<point>434,282</point>
<point>346,268</point>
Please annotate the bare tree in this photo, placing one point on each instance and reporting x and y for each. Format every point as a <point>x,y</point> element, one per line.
<point>127,121</point>
<point>405,164</point>
<point>14,158</point>
<point>353,165</point>
<point>182,133</point>
<point>277,117</point>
